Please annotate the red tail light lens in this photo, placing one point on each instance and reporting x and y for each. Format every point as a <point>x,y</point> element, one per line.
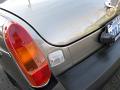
<point>27,54</point>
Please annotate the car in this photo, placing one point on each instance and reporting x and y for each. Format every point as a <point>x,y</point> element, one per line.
<point>59,44</point>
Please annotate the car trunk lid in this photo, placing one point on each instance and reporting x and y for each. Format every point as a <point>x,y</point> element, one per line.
<point>61,22</point>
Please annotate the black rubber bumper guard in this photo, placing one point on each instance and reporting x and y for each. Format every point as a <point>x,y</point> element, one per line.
<point>93,71</point>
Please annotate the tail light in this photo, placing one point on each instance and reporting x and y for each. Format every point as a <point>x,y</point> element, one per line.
<point>27,54</point>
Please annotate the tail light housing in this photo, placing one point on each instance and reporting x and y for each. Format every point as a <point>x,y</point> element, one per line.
<point>27,54</point>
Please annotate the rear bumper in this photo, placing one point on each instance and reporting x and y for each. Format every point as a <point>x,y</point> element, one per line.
<point>93,71</point>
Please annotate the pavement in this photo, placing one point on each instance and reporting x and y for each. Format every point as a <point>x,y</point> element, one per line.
<point>5,84</point>
<point>114,82</point>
